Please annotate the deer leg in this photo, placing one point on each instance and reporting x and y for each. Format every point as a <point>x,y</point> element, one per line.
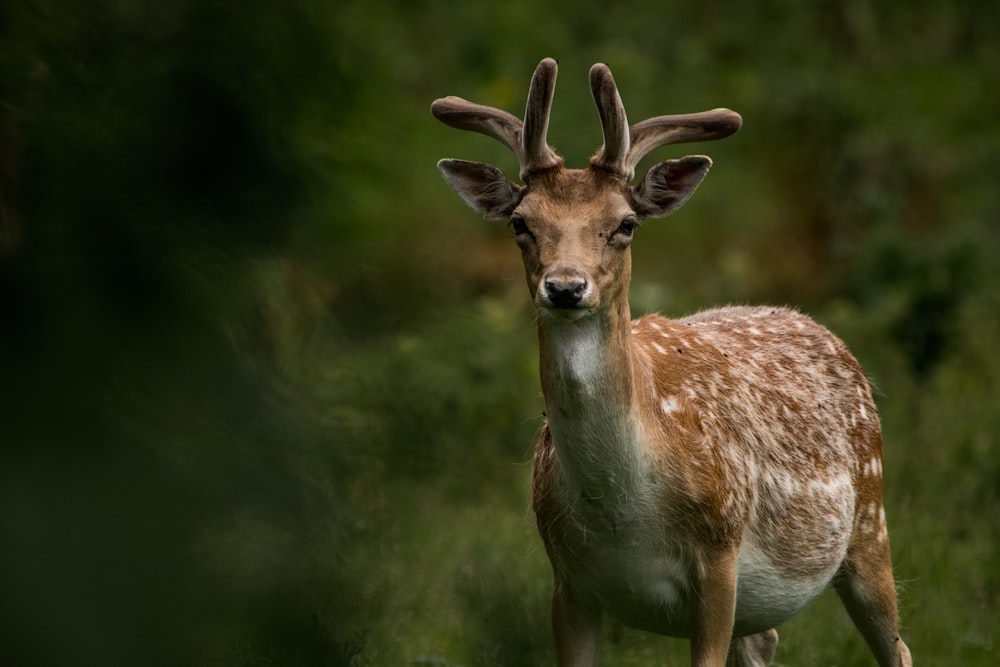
<point>577,631</point>
<point>716,610</point>
<point>868,591</point>
<point>754,650</point>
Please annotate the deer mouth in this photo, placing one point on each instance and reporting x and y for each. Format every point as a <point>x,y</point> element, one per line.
<point>570,313</point>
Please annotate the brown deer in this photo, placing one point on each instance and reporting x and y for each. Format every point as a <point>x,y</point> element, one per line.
<point>704,477</point>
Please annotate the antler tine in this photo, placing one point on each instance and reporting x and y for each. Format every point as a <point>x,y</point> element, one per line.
<point>526,140</point>
<point>465,115</point>
<point>614,122</point>
<point>537,153</point>
<point>678,129</point>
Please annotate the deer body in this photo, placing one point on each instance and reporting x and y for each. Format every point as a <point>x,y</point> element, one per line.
<point>708,449</point>
<point>704,477</point>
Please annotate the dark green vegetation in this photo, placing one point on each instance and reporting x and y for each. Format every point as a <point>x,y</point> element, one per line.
<point>268,390</point>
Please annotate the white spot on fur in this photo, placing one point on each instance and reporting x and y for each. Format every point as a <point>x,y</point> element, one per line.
<point>836,487</point>
<point>659,348</point>
<point>670,405</point>
<point>876,466</point>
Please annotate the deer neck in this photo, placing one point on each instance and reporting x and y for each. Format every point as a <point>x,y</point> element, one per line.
<point>588,381</point>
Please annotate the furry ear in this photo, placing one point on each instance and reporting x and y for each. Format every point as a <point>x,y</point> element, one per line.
<point>668,185</point>
<point>483,187</point>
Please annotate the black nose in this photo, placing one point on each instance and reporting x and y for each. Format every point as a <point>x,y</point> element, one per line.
<point>565,293</point>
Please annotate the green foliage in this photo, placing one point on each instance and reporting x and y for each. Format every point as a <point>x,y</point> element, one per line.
<point>269,390</point>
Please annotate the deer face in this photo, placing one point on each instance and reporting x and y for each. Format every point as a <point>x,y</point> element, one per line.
<point>574,229</point>
<point>575,226</point>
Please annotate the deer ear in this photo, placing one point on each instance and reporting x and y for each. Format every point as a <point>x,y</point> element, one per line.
<point>668,185</point>
<point>483,187</point>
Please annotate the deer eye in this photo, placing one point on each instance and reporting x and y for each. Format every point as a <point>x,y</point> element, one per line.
<point>519,226</point>
<point>626,228</point>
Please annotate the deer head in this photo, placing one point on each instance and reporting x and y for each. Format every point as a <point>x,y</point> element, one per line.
<point>575,226</point>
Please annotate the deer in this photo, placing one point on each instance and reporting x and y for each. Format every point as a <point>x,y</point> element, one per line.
<point>704,477</point>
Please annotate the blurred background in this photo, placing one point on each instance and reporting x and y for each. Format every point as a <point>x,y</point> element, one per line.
<point>268,390</point>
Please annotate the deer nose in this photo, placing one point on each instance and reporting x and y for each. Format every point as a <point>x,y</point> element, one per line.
<point>565,292</point>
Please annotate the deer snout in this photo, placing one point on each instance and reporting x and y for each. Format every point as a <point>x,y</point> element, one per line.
<point>564,290</point>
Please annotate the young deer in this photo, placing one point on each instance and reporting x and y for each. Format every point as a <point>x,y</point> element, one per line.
<point>704,477</point>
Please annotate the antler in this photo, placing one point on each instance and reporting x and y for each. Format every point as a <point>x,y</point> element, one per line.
<point>613,155</point>
<point>526,140</point>
<point>679,129</point>
<point>466,115</point>
<point>625,146</point>
<point>538,155</point>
